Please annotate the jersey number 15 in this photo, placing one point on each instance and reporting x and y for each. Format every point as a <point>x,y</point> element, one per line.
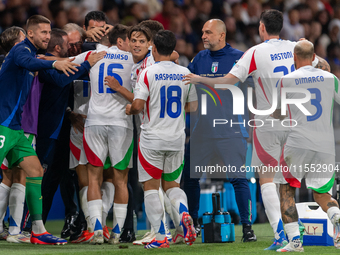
<point>110,73</point>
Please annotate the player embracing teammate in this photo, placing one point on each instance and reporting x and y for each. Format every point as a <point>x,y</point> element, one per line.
<point>161,147</point>
<point>266,63</point>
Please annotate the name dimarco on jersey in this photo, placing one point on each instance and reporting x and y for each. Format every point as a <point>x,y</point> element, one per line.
<point>309,79</point>
<point>170,77</point>
<point>116,56</point>
<point>282,55</point>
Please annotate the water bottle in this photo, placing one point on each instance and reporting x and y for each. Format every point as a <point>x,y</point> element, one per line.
<point>219,218</point>
<point>207,218</point>
<point>227,218</point>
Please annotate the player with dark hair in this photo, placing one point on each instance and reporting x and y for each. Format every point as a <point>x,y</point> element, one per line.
<point>12,186</point>
<point>53,103</point>
<point>161,146</point>
<point>140,47</point>
<point>95,26</point>
<point>94,17</point>
<point>11,36</point>
<point>108,132</point>
<point>118,35</point>
<point>16,78</point>
<point>153,25</point>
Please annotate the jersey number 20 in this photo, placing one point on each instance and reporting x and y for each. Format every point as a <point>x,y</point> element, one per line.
<point>168,99</point>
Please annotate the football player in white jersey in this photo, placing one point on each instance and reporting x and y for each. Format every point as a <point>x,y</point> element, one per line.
<point>310,148</point>
<point>78,160</point>
<point>140,39</point>
<point>161,147</point>
<point>266,63</point>
<point>108,131</point>
<point>139,44</point>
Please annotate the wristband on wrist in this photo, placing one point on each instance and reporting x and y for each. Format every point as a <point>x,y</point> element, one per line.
<point>53,64</point>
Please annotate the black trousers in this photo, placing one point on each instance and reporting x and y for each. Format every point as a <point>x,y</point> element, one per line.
<point>54,157</point>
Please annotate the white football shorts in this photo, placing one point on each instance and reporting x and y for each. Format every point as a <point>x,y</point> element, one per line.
<point>113,141</point>
<point>156,164</point>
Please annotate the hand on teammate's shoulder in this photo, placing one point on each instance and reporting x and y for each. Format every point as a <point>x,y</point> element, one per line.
<point>66,66</point>
<point>95,57</point>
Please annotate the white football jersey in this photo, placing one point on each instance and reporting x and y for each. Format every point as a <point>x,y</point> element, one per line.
<point>107,107</point>
<point>137,68</point>
<point>313,132</point>
<point>266,63</point>
<point>82,91</point>
<point>161,86</point>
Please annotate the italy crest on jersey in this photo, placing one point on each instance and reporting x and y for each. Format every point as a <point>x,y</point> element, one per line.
<point>214,67</point>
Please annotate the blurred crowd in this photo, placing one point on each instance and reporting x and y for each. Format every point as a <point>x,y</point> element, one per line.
<point>315,20</point>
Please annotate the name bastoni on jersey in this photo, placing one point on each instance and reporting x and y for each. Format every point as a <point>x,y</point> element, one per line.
<point>282,55</point>
<point>170,77</point>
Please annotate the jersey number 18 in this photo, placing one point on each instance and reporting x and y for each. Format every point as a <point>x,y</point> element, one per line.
<point>168,99</point>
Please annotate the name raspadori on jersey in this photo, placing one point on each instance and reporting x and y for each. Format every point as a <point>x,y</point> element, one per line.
<point>171,77</point>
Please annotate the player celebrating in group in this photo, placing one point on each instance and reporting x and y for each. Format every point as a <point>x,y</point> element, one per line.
<point>108,131</point>
<point>16,76</point>
<point>266,63</point>
<point>140,38</point>
<point>309,144</point>
<point>161,147</point>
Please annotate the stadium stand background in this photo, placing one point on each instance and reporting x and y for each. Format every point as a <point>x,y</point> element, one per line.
<point>315,20</point>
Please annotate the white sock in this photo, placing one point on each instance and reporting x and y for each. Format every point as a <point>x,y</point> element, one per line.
<point>167,204</point>
<point>155,212</point>
<point>271,204</point>
<point>38,227</point>
<point>16,207</point>
<point>108,191</point>
<point>331,212</point>
<point>292,230</point>
<point>119,216</point>
<point>95,212</point>
<point>83,204</point>
<point>4,196</point>
<point>162,198</point>
<point>174,215</point>
<point>178,199</point>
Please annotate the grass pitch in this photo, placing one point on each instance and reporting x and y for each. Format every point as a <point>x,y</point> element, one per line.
<point>262,231</point>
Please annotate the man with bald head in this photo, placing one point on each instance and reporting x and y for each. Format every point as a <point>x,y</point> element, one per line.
<point>217,144</point>
<point>266,63</point>
<point>310,145</point>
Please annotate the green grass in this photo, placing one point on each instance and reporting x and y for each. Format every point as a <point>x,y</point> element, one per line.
<point>263,232</point>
